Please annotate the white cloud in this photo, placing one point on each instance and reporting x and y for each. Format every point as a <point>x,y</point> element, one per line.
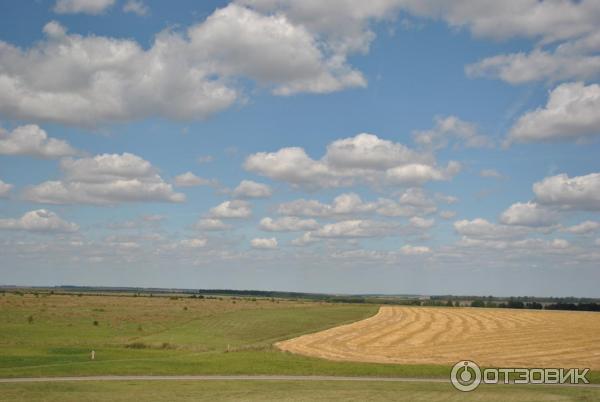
<point>39,220</point>
<point>90,80</point>
<point>304,240</point>
<point>575,59</point>
<point>136,7</point>
<point>571,113</point>
<point>482,229</point>
<point>189,179</point>
<point>292,165</point>
<point>105,179</point>
<point>411,202</point>
<point>211,224</point>
<point>193,243</point>
<point>153,218</point>
<point>586,227</point>
<point>414,250</point>
<point>529,214</point>
<point>363,158</point>
<point>447,214</point>
<point>343,204</point>
<point>264,243</point>
<point>546,20</point>
<point>205,159</point>
<point>33,141</point>
<point>452,128</point>
<point>93,7</point>
<point>418,174</point>
<point>579,192</point>
<point>491,173</point>
<point>355,228</point>
<point>231,210</point>
<point>367,151</point>
<point>421,223</point>
<point>252,189</point>
<point>288,224</point>
<point>5,189</point>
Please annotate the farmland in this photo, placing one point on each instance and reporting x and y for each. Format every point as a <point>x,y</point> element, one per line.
<point>49,335</point>
<point>431,335</point>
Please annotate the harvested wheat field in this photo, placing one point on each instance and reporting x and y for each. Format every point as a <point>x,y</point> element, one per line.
<point>432,335</point>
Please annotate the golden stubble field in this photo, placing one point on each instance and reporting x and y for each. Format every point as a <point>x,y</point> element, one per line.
<point>432,335</point>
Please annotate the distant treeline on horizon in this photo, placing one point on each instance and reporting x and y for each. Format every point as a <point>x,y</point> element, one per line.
<point>520,302</point>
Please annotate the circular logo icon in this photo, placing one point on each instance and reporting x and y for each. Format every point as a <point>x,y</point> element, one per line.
<point>465,375</point>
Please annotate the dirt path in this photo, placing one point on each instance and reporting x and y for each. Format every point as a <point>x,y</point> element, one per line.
<point>245,378</point>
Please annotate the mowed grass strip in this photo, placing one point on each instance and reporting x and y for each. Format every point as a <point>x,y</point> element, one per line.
<point>282,391</point>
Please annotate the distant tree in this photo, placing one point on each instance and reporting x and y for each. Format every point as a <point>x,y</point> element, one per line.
<point>477,303</point>
<point>515,304</point>
<point>534,306</point>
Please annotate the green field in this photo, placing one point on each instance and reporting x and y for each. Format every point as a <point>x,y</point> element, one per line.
<point>284,391</point>
<point>52,335</point>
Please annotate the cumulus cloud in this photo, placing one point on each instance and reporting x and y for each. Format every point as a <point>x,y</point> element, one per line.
<point>355,228</point>
<point>491,173</point>
<point>90,80</point>
<point>33,141</point>
<point>5,189</point>
<point>363,158</point>
<point>576,193</point>
<point>452,128</point>
<point>529,214</point>
<point>582,228</point>
<point>252,189</point>
<point>482,229</point>
<point>205,159</point>
<point>193,243</point>
<point>136,7</point>
<point>231,210</point>
<point>567,40</point>
<point>211,224</point>
<point>105,179</point>
<point>411,202</point>
<point>93,7</point>
<point>288,224</point>
<point>571,113</point>
<point>264,243</point>
<point>421,223</point>
<point>447,214</point>
<point>189,179</point>
<point>575,59</point>
<point>407,249</point>
<point>304,240</point>
<point>40,220</point>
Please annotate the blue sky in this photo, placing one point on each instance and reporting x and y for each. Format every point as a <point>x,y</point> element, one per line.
<point>399,147</point>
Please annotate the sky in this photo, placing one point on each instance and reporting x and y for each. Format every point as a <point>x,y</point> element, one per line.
<point>390,146</point>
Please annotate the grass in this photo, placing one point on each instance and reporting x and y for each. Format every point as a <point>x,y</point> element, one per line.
<point>284,391</point>
<point>143,335</point>
<point>172,336</point>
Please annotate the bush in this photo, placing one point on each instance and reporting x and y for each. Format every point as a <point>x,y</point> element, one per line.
<point>137,345</point>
